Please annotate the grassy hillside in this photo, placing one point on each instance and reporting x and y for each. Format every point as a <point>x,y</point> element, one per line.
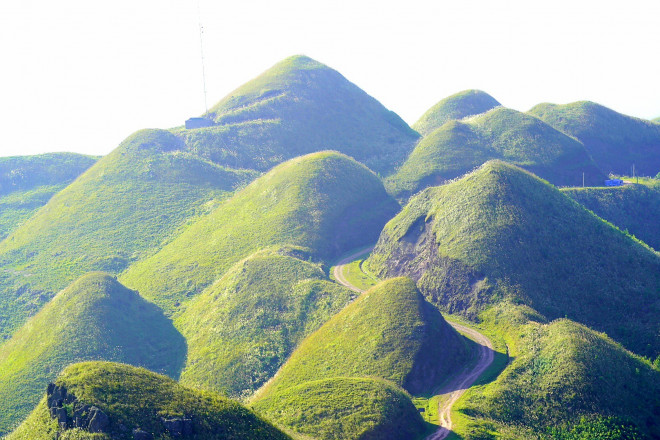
<point>457,106</point>
<point>95,318</point>
<point>614,141</point>
<point>344,408</point>
<point>324,201</point>
<point>28,182</point>
<point>133,398</point>
<point>459,146</point>
<point>296,107</point>
<point>635,208</point>
<point>501,232</point>
<point>128,203</point>
<point>388,332</point>
<point>242,328</point>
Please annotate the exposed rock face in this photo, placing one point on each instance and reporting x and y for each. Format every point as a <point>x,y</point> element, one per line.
<point>71,413</point>
<point>178,427</point>
<point>139,434</point>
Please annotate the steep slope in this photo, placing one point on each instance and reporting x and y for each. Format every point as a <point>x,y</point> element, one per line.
<point>129,202</point>
<point>94,318</point>
<point>501,232</point>
<point>635,208</point>
<point>300,106</point>
<point>242,328</point>
<point>614,141</point>
<point>457,106</point>
<point>103,401</point>
<point>388,332</point>
<point>28,182</point>
<point>459,146</point>
<point>324,201</point>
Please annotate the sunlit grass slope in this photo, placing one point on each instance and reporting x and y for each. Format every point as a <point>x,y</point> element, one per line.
<point>324,201</point>
<point>389,332</point>
<point>28,182</point>
<point>95,318</point>
<point>459,146</point>
<point>501,232</point>
<point>242,328</point>
<point>134,398</point>
<point>344,408</point>
<point>296,107</point>
<point>457,106</point>
<point>635,208</point>
<point>118,211</point>
<point>614,141</point>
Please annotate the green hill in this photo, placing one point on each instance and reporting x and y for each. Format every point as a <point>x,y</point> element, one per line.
<point>28,182</point>
<point>635,208</point>
<point>118,211</point>
<point>458,147</point>
<point>103,401</point>
<point>389,332</point>
<point>324,201</point>
<point>242,328</point>
<point>501,232</point>
<point>614,141</point>
<point>344,408</point>
<point>95,318</point>
<point>297,107</point>
<point>457,106</point>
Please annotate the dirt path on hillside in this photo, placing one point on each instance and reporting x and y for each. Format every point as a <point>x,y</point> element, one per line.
<point>453,390</point>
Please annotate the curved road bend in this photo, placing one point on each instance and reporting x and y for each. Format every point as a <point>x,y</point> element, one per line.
<point>453,390</point>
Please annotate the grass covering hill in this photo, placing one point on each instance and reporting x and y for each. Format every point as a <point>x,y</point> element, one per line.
<point>635,208</point>
<point>242,328</point>
<point>118,211</point>
<point>501,232</point>
<point>133,398</point>
<point>324,201</point>
<point>28,182</point>
<point>344,408</point>
<point>95,318</point>
<point>459,146</point>
<point>389,332</point>
<point>614,141</point>
<point>297,107</point>
<point>457,106</point>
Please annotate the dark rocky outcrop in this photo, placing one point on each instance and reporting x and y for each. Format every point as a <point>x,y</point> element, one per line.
<point>178,427</point>
<point>71,413</point>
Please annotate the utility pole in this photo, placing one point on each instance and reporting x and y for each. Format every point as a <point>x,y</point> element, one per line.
<point>582,179</point>
<point>201,50</point>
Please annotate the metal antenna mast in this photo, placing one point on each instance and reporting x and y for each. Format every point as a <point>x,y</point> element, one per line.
<point>201,50</point>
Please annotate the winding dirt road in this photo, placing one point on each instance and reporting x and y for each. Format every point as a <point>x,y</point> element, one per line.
<point>453,390</point>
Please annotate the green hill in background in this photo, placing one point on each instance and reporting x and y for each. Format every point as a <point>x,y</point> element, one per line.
<point>501,232</point>
<point>616,142</point>
<point>28,182</point>
<point>95,318</point>
<point>118,211</point>
<point>242,328</point>
<point>112,401</point>
<point>324,201</point>
<point>635,208</point>
<point>458,147</point>
<point>297,107</point>
<point>457,106</point>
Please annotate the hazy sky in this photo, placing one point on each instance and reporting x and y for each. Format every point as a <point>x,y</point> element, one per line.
<point>82,75</point>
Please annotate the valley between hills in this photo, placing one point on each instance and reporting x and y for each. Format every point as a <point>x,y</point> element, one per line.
<point>306,265</point>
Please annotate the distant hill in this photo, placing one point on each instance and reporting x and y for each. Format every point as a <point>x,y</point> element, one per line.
<point>501,232</point>
<point>103,401</point>
<point>324,201</point>
<point>457,147</point>
<point>118,211</point>
<point>95,318</point>
<point>28,182</point>
<point>635,208</point>
<point>457,106</point>
<point>656,119</point>
<point>297,107</point>
<point>614,141</point>
<point>242,328</point>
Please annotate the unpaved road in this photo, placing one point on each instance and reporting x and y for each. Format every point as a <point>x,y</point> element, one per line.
<point>453,390</point>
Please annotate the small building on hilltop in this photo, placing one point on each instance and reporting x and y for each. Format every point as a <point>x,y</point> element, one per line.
<point>198,123</point>
<point>614,182</point>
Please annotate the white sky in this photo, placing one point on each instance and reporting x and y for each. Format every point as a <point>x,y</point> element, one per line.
<point>80,75</point>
